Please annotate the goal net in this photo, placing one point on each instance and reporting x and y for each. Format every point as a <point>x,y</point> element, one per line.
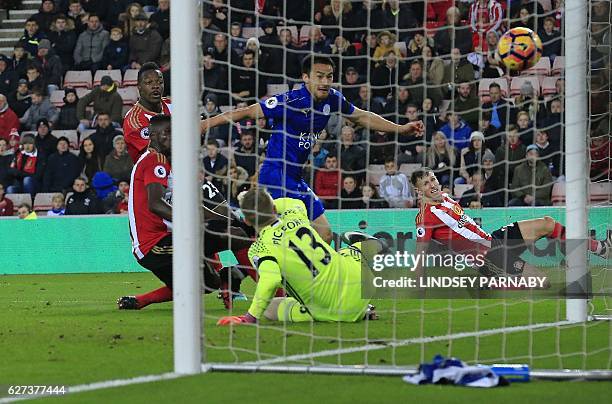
<point>406,61</point>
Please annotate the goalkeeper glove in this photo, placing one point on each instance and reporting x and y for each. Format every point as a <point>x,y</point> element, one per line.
<point>244,319</point>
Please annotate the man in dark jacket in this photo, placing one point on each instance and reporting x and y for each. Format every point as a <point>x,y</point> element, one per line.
<point>20,100</point>
<point>8,78</point>
<point>90,45</point>
<point>352,156</point>
<point>145,43</point>
<point>31,36</point>
<point>45,16</point>
<point>45,141</point>
<point>63,37</point>
<point>62,168</point>
<point>214,80</point>
<point>83,200</point>
<point>497,107</point>
<point>160,20</point>
<point>104,135</point>
<point>532,181</point>
<point>116,53</point>
<point>50,65</point>
<point>479,196</point>
<point>105,99</point>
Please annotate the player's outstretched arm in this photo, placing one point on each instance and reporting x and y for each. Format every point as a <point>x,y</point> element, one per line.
<point>372,121</point>
<point>251,112</point>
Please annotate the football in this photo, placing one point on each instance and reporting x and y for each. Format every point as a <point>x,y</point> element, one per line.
<point>519,49</point>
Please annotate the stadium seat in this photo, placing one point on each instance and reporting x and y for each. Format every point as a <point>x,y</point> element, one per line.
<point>374,173</point>
<point>483,86</point>
<point>599,193</point>
<point>408,169</point>
<point>82,92</point>
<point>18,199</point>
<point>43,201</point>
<point>85,134</point>
<point>549,85</point>
<point>57,98</point>
<point>130,77</point>
<point>75,79</point>
<point>460,189</point>
<point>252,32</point>
<point>72,135</point>
<point>274,89</point>
<point>114,74</point>
<point>128,94</point>
<point>558,66</point>
<point>517,82</point>
<point>542,68</point>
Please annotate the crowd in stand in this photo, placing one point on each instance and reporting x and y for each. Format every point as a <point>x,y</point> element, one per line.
<point>407,61</point>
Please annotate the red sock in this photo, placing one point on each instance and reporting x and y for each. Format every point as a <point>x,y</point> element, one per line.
<point>243,260</point>
<point>163,294</point>
<point>558,232</point>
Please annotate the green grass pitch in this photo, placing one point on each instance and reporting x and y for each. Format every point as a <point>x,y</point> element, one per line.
<point>65,329</point>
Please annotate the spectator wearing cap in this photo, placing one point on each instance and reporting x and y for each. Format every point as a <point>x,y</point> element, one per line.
<point>20,100</point>
<point>45,16</point>
<point>8,119</point>
<point>83,200</point>
<point>104,135</point>
<point>50,65</point>
<point>471,157</point>
<point>6,205</point>
<point>19,61</point>
<point>104,98</point>
<point>457,131</point>
<point>90,45</point>
<point>31,36</point>
<point>116,53</point>
<point>41,108</point>
<point>27,167</point>
<point>351,81</point>
<point>209,30</point>
<point>6,157</point>
<point>160,19</point>
<point>68,114</point>
<point>62,168</point>
<point>63,37</point>
<point>532,181</point>
<point>145,43</point>
<point>8,77</point>
<point>45,141</point>
<point>118,162</point>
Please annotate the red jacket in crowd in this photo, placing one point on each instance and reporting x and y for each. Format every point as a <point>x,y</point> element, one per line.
<point>327,183</point>
<point>6,206</point>
<point>8,121</point>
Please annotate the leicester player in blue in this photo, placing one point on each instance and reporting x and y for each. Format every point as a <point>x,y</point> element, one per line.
<point>298,118</point>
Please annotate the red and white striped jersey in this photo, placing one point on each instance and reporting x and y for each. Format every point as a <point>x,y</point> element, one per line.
<point>136,127</point>
<point>447,223</point>
<point>146,228</point>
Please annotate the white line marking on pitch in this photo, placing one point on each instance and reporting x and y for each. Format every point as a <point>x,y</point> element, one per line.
<point>392,344</point>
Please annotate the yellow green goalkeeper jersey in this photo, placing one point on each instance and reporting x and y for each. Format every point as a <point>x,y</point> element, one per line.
<point>290,254</point>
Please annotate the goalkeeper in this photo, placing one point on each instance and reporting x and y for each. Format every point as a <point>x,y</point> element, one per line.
<point>324,285</point>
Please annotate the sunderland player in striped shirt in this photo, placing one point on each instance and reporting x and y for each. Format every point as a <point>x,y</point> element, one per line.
<point>298,118</point>
<point>443,220</point>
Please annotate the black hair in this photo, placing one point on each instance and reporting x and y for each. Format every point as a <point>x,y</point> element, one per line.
<point>212,142</point>
<point>159,118</point>
<point>249,52</point>
<point>31,19</point>
<point>418,174</point>
<point>145,68</point>
<point>494,84</point>
<point>390,160</point>
<point>309,61</point>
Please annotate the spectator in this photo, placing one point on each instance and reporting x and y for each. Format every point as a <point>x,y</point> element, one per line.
<point>510,154</point>
<point>222,53</point>
<point>525,127</point>
<point>209,31</point>
<point>6,205</point>
<point>62,168</point>
<point>45,141</point>
<point>457,131</point>
<point>35,79</point>
<point>6,157</point>
<point>394,187</point>
<point>351,83</point>
<point>214,80</point>
<point>492,139</point>
<point>414,48</point>
<point>385,43</point>
<point>343,54</point>
<point>238,178</point>
<point>21,99</point>
<point>104,135</point>
<point>327,182</point>
<point>90,160</point>
<point>478,196</point>
<point>76,14</point>
<point>245,154</point>
<point>459,70</point>
<point>8,119</point>
<point>19,62</point>
<point>116,54</point>
<point>121,198</point>
<point>531,8</point>
<point>31,36</point>
<point>318,156</point>
<point>384,78</point>
<point>50,65</point>
<point>68,113</point>
<point>269,62</point>
<point>551,39</point>
<point>442,158</point>
<point>118,162</point>
<point>522,18</point>
<point>415,82</point>
<point>393,15</point>
<point>366,101</point>
<point>90,45</point>
<point>471,157</point>
<point>45,16</point>
<point>127,20</point>
<point>430,116</point>
<point>8,77</point>
<point>466,104</point>
<point>63,37</point>
<point>549,154</point>
<point>41,108</point>
<point>244,80</point>
<point>215,164</point>
<point>453,34</point>
<point>433,66</point>
<point>105,189</point>
<point>485,16</point>
<point>27,168</point>
<point>145,43</point>
<point>493,178</point>
<point>352,156</point>
<point>350,196</point>
<point>601,154</point>
<point>411,147</point>
<point>532,181</point>
<point>317,42</point>
<point>105,99</point>
<point>500,112</point>
<point>83,200</point>
<point>14,141</point>
<point>58,207</point>
<point>237,42</point>
<point>395,107</point>
<point>381,145</point>
<point>160,20</point>
<point>25,212</point>
<point>371,199</point>
<point>220,133</point>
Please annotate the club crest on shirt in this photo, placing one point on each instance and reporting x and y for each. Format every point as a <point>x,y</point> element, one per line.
<point>271,102</point>
<point>160,172</point>
<point>420,231</point>
<point>144,133</point>
<point>326,109</point>
<point>457,209</point>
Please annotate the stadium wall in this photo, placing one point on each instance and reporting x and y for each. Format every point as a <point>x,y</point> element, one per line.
<point>102,243</point>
